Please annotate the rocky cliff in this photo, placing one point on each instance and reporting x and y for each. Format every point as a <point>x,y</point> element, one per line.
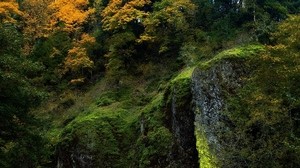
<point>210,88</point>
<point>182,127</point>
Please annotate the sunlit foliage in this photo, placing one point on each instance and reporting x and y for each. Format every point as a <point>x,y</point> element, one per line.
<point>77,59</point>
<point>36,21</point>
<point>71,15</point>
<point>119,13</point>
<point>9,8</point>
<point>168,16</point>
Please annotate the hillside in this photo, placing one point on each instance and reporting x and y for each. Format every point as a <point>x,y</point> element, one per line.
<point>149,83</point>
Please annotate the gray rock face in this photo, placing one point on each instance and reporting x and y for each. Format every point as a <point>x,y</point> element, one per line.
<point>181,119</point>
<point>74,158</point>
<point>210,88</point>
<point>198,106</point>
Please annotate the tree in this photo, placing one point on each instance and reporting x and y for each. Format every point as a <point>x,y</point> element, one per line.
<point>264,115</point>
<point>17,95</point>
<point>8,8</point>
<point>71,18</point>
<point>70,15</point>
<point>36,19</point>
<point>169,23</point>
<point>118,13</point>
<point>77,59</point>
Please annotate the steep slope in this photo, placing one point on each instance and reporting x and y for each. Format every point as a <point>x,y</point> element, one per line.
<point>187,121</point>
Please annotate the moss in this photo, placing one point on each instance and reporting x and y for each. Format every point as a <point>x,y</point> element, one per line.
<point>99,135</point>
<point>104,131</point>
<point>54,135</point>
<point>152,146</point>
<point>109,131</point>
<point>185,73</point>
<point>104,101</point>
<point>105,122</point>
<point>180,87</point>
<point>206,157</point>
<point>243,52</point>
<point>179,117</point>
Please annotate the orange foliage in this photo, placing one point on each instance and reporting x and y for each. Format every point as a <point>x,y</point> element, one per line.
<point>36,17</point>
<point>117,14</point>
<point>86,40</point>
<point>73,13</point>
<point>36,20</point>
<point>77,58</point>
<point>7,9</point>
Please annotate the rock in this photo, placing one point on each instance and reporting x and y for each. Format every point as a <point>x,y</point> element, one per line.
<point>210,88</point>
<point>181,117</point>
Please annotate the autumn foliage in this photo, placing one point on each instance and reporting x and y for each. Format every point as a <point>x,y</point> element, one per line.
<point>8,8</point>
<point>72,14</point>
<point>118,14</point>
<point>36,17</point>
<point>77,59</point>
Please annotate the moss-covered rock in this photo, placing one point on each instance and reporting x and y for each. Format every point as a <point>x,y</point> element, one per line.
<point>153,145</point>
<point>213,83</point>
<point>179,118</point>
<point>207,159</point>
<point>118,134</point>
<point>91,141</point>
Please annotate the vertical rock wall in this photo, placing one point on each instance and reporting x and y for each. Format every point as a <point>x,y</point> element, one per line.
<point>210,87</point>
<point>180,118</point>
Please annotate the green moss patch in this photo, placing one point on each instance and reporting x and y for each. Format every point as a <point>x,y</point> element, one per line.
<point>206,157</point>
<point>185,73</point>
<point>242,52</point>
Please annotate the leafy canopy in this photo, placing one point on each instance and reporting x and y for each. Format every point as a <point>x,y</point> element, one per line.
<point>118,14</point>
<point>8,8</point>
<point>72,14</point>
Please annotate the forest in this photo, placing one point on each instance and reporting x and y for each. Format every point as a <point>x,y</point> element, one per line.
<point>149,83</point>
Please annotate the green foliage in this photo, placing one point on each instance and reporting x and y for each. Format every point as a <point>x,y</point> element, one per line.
<point>110,135</point>
<point>18,95</point>
<point>184,74</point>
<point>95,136</point>
<point>104,101</point>
<point>196,47</point>
<point>51,53</point>
<point>225,19</point>
<point>121,51</point>
<point>264,113</point>
<point>168,24</point>
<point>152,146</point>
<point>105,124</point>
